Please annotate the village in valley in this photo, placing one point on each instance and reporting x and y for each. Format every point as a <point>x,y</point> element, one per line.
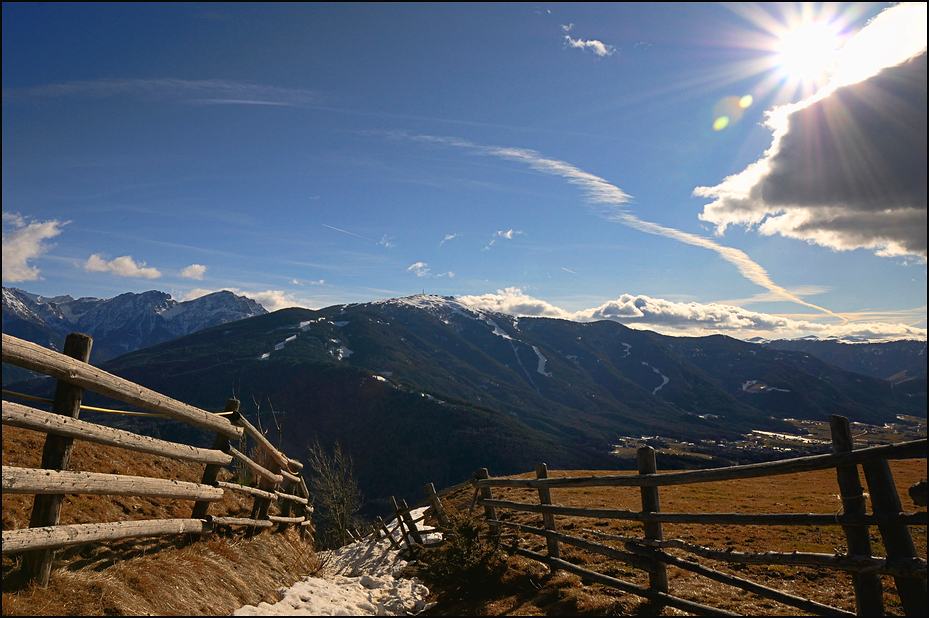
<point>811,438</point>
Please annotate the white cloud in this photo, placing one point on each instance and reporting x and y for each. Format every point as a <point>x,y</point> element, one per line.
<point>420,268</point>
<point>847,166</point>
<point>272,300</point>
<point>448,237</point>
<point>596,46</point>
<point>194,271</point>
<point>695,319</point>
<point>23,242</point>
<point>387,242</point>
<point>123,266</point>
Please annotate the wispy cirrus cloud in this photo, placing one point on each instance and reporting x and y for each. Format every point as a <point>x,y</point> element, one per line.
<point>204,91</point>
<point>696,319</point>
<point>387,242</point>
<point>448,237</point>
<point>23,242</point>
<point>505,235</point>
<point>420,269</point>
<point>124,266</point>
<point>608,201</point>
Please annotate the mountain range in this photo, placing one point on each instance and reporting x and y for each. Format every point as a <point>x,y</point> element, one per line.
<point>894,361</point>
<point>425,388</point>
<point>118,325</point>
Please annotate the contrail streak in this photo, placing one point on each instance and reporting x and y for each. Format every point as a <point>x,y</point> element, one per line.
<point>610,198</point>
<point>345,231</point>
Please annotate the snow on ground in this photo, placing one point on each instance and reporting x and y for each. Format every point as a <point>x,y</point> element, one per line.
<point>664,379</point>
<point>361,579</point>
<point>542,361</point>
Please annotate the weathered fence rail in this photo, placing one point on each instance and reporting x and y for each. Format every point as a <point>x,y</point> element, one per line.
<point>649,552</point>
<point>53,480</point>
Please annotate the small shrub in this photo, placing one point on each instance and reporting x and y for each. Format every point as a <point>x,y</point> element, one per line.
<point>466,558</point>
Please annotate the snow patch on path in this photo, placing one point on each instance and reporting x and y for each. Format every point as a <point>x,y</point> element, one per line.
<point>361,579</point>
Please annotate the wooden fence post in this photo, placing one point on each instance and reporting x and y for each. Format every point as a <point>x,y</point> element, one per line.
<point>403,532</point>
<point>897,539</point>
<point>211,472</point>
<point>380,525</point>
<point>410,524</point>
<point>869,596</point>
<point>287,506</point>
<point>46,509</point>
<point>436,505</point>
<point>490,513</point>
<point>658,577</point>
<point>548,519</point>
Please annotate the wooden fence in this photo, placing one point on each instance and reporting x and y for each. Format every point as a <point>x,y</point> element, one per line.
<point>648,551</point>
<point>278,479</point>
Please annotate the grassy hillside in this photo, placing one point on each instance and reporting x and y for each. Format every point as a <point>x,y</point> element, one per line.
<point>523,587</point>
<point>213,577</point>
<point>158,576</point>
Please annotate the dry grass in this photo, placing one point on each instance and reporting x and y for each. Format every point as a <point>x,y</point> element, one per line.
<point>156,576</point>
<point>225,571</point>
<point>528,588</point>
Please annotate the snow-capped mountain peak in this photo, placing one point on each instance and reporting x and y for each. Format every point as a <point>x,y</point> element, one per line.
<point>121,324</point>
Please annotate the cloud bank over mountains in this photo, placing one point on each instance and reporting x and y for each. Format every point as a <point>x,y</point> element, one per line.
<point>693,319</point>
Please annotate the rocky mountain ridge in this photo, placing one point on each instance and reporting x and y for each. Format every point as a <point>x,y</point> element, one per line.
<point>121,324</point>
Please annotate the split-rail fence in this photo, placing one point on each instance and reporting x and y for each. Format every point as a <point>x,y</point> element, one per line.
<point>648,553</point>
<point>278,479</point>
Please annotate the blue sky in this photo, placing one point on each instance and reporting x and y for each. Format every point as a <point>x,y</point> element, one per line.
<point>669,166</point>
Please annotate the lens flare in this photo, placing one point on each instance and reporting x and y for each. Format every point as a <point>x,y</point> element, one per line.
<point>729,110</point>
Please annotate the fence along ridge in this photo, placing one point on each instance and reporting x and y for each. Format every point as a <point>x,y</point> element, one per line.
<point>902,563</point>
<point>50,482</point>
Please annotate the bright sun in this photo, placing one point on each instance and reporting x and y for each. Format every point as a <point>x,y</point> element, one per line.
<point>808,52</point>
